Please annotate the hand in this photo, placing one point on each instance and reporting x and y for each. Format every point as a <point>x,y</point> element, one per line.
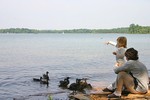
<point>116,64</point>
<point>107,42</point>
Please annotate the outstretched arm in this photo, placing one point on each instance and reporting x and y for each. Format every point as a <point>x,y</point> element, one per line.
<point>111,43</point>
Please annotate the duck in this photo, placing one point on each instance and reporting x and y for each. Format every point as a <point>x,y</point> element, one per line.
<point>43,80</point>
<point>75,86</point>
<point>64,83</point>
<point>80,85</point>
<point>37,80</point>
<point>45,76</point>
<point>84,84</point>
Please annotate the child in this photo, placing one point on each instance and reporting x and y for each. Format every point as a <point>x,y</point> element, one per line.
<point>120,57</point>
<point>121,48</point>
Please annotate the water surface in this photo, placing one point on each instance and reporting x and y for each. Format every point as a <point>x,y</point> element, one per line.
<point>24,56</point>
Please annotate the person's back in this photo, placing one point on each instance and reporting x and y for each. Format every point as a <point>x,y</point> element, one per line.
<point>139,71</point>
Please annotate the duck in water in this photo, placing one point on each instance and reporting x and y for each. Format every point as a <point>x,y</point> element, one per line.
<point>45,76</point>
<point>80,85</point>
<point>37,80</point>
<point>75,86</point>
<point>84,85</point>
<point>43,80</point>
<point>64,83</point>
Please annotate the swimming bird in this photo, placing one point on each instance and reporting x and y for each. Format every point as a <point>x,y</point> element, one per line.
<point>84,84</point>
<point>75,86</point>
<point>45,76</point>
<point>64,83</point>
<point>80,85</point>
<point>43,80</point>
<point>37,80</point>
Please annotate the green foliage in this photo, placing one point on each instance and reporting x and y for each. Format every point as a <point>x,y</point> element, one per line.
<point>50,97</point>
<point>131,29</point>
<point>138,29</point>
<point>18,30</point>
<point>25,30</point>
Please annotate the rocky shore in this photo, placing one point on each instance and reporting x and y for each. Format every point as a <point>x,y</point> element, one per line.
<point>123,97</point>
<point>103,96</point>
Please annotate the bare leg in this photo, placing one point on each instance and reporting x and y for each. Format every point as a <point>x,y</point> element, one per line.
<point>125,79</point>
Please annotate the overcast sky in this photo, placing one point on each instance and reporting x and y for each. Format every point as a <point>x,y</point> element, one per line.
<point>73,14</point>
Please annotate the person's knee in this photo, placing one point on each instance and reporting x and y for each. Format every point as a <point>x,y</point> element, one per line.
<point>125,75</point>
<point>122,74</point>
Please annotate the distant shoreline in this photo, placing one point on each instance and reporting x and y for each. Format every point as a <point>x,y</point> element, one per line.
<point>132,29</point>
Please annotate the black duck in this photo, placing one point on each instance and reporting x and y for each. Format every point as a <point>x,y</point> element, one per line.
<point>64,83</point>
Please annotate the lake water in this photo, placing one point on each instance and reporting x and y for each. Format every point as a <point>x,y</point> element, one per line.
<point>24,56</point>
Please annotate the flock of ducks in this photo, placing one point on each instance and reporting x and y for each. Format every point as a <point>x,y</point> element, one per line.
<point>79,86</point>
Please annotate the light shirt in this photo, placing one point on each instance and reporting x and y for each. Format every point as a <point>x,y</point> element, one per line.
<point>139,71</point>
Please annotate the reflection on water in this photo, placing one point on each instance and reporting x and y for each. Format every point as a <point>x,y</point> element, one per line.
<point>24,56</point>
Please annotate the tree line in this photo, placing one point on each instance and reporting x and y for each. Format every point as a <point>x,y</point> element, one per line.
<point>133,28</point>
<point>138,29</point>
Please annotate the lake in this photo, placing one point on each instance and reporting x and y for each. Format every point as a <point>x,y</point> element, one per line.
<point>24,56</point>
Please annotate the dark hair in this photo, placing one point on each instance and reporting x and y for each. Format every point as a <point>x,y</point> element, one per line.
<point>131,54</point>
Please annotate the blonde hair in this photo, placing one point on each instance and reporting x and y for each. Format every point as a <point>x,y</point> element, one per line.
<point>122,42</point>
